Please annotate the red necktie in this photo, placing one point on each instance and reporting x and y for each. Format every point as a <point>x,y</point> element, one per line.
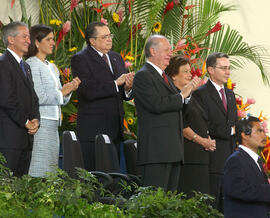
<point>104,57</point>
<point>165,78</point>
<point>223,98</point>
<point>260,162</point>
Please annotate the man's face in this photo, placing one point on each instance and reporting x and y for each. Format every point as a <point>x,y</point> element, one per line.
<point>221,72</point>
<point>103,40</point>
<point>20,43</point>
<point>257,137</point>
<point>162,54</point>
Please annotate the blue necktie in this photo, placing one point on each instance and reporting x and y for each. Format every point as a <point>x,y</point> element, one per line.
<point>22,66</point>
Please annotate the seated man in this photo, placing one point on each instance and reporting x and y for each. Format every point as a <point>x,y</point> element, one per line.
<point>246,187</point>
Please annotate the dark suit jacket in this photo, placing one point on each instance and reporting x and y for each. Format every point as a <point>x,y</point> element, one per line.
<point>246,194</point>
<point>100,107</point>
<point>159,118</point>
<point>219,123</point>
<point>18,103</point>
<point>195,117</point>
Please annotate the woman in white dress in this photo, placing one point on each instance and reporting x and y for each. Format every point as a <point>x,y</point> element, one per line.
<point>51,96</point>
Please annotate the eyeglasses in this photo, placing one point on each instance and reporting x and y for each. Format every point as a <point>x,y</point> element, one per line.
<point>223,68</point>
<point>109,36</point>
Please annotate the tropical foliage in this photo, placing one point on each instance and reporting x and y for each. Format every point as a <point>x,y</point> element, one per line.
<point>192,26</point>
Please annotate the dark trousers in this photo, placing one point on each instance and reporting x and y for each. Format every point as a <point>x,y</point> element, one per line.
<point>165,175</point>
<point>216,190</point>
<point>89,154</point>
<point>18,161</point>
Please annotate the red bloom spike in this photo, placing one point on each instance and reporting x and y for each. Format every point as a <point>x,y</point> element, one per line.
<point>168,7</point>
<point>190,6</point>
<point>216,28</point>
<point>97,10</point>
<point>108,4</point>
<point>73,4</point>
<point>12,3</point>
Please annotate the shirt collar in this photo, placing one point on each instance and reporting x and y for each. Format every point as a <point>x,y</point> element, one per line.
<point>156,67</point>
<point>251,153</point>
<point>100,53</point>
<point>18,59</point>
<point>218,87</point>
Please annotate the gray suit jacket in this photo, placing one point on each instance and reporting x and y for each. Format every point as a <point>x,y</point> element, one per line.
<point>159,108</point>
<point>48,88</point>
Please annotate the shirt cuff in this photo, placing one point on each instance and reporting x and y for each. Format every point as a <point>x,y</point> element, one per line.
<point>116,86</point>
<point>128,93</point>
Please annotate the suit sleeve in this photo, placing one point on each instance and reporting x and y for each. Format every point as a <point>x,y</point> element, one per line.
<point>146,92</point>
<point>238,186</point>
<point>8,97</point>
<point>90,88</point>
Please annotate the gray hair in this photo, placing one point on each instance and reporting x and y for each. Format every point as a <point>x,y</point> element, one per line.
<point>11,30</point>
<point>152,42</point>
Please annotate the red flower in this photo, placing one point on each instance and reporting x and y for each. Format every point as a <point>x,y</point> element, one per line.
<point>72,118</point>
<point>99,10</point>
<point>73,4</point>
<point>12,3</point>
<point>168,7</point>
<point>216,28</point>
<point>239,101</point>
<point>233,86</point>
<point>197,72</point>
<point>65,29</point>
<point>190,6</point>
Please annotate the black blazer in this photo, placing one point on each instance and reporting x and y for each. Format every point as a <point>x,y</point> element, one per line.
<point>100,107</point>
<point>219,123</point>
<point>195,117</point>
<point>159,118</point>
<point>246,194</point>
<point>18,103</point>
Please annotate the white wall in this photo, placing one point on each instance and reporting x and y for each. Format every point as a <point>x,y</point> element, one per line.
<point>252,21</point>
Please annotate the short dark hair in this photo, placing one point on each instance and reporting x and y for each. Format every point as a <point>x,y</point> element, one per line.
<point>11,30</point>
<point>212,59</point>
<point>37,32</point>
<point>244,125</point>
<point>152,42</point>
<point>91,30</point>
<point>175,62</point>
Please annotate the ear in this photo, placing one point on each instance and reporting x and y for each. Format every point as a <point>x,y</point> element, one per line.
<point>92,41</point>
<point>37,43</point>
<point>10,40</point>
<point>244,136</point>
<point>152,52</point>
<point>210,70</point>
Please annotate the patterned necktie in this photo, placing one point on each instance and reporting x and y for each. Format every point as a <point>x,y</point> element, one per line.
<point>165,78</point>
<point>223,98</point>
<point>104,57</point>
<point>260,162</point>
<point>22,67</point>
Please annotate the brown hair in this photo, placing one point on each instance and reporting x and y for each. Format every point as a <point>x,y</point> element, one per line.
<point>176,62</point>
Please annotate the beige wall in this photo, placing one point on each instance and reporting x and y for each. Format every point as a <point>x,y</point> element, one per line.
<point>252,21</point>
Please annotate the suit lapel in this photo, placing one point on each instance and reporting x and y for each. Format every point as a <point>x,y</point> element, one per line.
<point>252,163</point>
<point>160,78</point>
<point>18,69</point>
<point>215,96</point>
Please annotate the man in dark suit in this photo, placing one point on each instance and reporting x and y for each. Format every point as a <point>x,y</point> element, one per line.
<point>159,105</point>
<point>246,187</point>
<point>19,113</point>
<point>220,106</point>
<point>104,86</point>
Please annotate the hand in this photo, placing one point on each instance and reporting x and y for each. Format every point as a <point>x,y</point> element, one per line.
<point>208,144</point>
<point>32,126</point>
<point>190,87</point>
<point>129,80</point>
<point>76,82</point>
<point>121,80</point>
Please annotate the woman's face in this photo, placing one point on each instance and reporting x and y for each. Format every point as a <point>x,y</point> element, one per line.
<point>45,46</point>
<point>183,77</point>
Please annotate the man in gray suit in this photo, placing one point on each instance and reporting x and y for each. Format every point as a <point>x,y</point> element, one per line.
<point>159,105</point>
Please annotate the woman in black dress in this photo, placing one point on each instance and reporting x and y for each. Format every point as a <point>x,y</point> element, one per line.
<point>197,144</point>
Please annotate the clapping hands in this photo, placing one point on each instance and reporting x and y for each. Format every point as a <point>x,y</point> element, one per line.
<point>126,80</point>
<point>71,86</point>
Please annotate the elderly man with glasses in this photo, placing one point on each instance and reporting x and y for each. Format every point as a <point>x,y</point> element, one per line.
<point>104,86</point>
<point>219,103</point>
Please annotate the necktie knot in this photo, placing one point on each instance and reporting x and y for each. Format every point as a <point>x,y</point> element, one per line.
<point>22,67</point>
<point>223,98</point>
<point>165,78</point>
<point>104,57</point>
